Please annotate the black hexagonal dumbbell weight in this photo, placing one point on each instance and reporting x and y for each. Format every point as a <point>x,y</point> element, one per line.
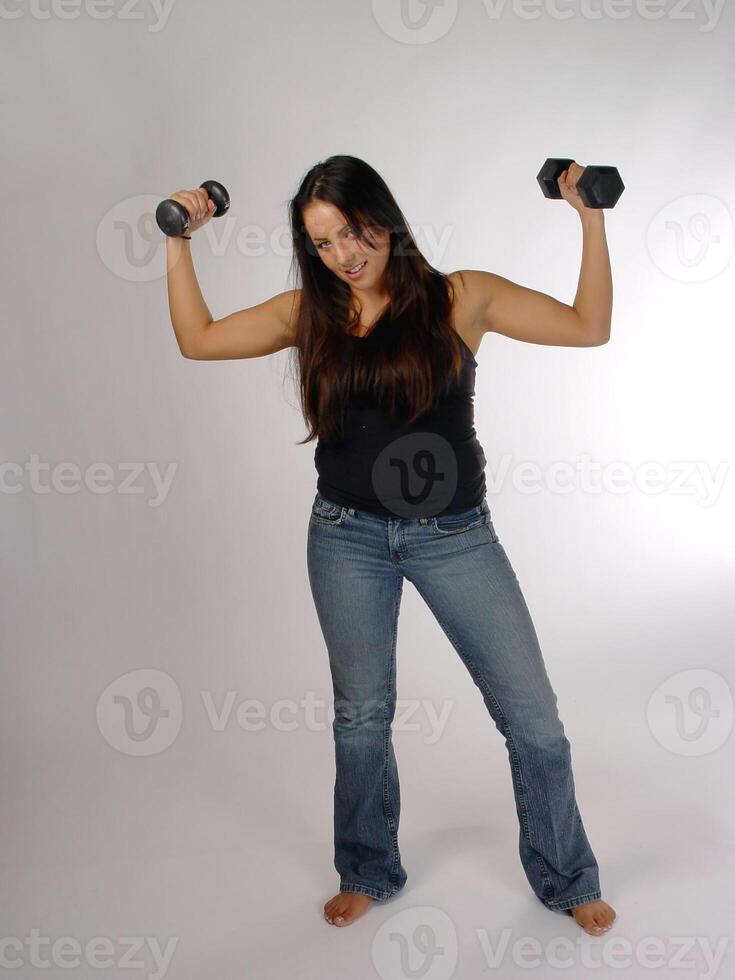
<point>599,186</point>
<point>173,218</point>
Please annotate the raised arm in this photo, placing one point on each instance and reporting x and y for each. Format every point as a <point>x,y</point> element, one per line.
<point>253,332</point>
<point>500,305</point>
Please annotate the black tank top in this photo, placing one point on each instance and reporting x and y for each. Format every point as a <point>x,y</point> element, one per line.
<point>431,467</point>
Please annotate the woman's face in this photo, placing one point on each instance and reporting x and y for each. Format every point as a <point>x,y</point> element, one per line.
<point>341,250</point>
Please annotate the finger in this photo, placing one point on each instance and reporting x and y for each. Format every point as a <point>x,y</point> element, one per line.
<point>209,207</point>
<point>203,198</point>
<point>570,183</point>
<point>576,172</point>
<point>196,198</point>
<point>186,200</point>
<point>206,210</point>
<point>191,204</point>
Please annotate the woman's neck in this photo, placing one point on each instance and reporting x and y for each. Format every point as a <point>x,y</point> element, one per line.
<point>367,315</point>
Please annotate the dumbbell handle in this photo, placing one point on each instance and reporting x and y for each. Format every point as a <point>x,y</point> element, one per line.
<point>173,218</point>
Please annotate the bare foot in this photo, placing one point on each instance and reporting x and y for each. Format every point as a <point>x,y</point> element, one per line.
<point>594,917</point>
<point>345,907</point>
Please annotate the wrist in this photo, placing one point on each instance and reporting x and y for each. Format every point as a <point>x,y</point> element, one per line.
<point>592,217</point>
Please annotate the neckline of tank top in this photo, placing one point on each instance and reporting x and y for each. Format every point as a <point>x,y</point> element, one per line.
<point>354,336</point>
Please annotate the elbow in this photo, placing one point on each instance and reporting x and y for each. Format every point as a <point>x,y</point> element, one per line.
<point>595,335</point>
<point>595,330</point>
<point>192,349</point>
<point>189,341</point>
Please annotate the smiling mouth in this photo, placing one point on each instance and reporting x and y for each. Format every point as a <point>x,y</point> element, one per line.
<point>356,269</point>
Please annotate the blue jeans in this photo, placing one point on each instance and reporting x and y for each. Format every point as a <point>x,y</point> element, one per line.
<point>357,562</point>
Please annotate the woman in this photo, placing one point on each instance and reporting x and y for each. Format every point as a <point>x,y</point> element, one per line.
<point>385,346</point>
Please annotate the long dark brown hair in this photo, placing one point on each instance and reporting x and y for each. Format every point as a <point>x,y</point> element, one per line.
<point>412,352</point>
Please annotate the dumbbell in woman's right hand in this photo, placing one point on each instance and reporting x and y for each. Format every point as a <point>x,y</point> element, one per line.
<point>186,211</point>
<point>599,186</point>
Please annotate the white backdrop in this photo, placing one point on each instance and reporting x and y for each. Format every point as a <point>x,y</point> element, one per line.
<point>156,612</point>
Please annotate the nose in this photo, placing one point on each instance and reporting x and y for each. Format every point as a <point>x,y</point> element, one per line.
<point>345,257</point>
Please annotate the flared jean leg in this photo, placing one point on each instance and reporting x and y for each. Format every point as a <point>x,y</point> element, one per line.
<point>468,583</point>
<point>357,595</point>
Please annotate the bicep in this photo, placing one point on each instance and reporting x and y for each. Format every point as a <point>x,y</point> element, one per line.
<point>255,332</point>
<point>505,307</point>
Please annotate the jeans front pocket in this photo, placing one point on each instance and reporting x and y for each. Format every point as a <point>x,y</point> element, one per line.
<point>463,520</point>
<point>325,511</point>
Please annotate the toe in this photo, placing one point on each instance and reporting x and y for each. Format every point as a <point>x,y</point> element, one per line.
<point>330,910</point>
<point>342,915</point>
<point>606,917</point>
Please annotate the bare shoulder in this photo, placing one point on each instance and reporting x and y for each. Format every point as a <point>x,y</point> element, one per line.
<point>476,287</point>
<point>470,294</point>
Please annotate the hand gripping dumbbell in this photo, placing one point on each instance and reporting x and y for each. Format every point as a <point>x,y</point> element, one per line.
<point>598,186</point>
<point>173,218</point>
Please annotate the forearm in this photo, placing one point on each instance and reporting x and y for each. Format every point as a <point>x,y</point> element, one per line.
<point>189,312</point>
<point>594,298</point>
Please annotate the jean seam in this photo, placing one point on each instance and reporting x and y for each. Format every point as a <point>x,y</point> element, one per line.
<point>377,893</point>
<point>569,903</point>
